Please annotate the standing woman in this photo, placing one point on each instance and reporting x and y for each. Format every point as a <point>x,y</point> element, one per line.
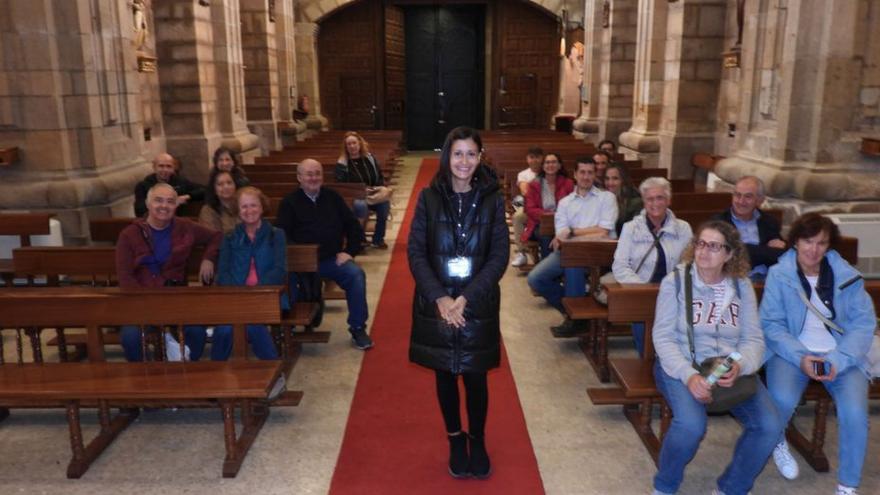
<point>819,321</point>
<point>255,253</point>
<point>545,192</point>
<point>722,317</point>
<point>458,250</point>
<point>226,160</point>
<point>357,164</point>
<point>220,211</point>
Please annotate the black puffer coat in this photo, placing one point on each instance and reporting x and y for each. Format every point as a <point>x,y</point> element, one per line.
<point>476,346</point>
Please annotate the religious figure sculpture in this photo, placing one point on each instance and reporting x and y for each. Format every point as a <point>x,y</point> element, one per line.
<point>139,21</point>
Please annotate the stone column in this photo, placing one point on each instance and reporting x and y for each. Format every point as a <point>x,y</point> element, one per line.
<point>229,73</point>
<point>693,76</point>
<point>188,70</point>
<point>588,121</point>
<point>69,101</point>
<point>803,106</point>
<point>285,48</point>
<point>618,55</point>
<point>261,76</point>
<point>307,72</point>
<point>642,140</point>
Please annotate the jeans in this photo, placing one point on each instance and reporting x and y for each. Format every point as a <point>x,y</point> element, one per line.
<point>351,278</point>
<point>849,390</point>
<point>361,210</point>
<point>638,331</point>
<point>543,241</point>
<point>762,428</point>
<point>258,336</point>
<point>130,336</point>
<point>544,279</point>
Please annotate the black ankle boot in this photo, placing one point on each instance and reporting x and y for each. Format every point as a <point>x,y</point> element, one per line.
<point>458,455</point>
<point>479,465</point>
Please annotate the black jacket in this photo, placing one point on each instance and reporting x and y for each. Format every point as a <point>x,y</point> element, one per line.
<point>182,186</point>
<point>326,222</point>
<point>476,346</point>
<point>768,229</point>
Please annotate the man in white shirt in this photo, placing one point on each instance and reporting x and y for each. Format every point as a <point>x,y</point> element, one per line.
<point>535,159</point>
<point>587,211</point>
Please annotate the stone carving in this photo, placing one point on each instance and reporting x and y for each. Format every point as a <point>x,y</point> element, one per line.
<point>271,10</point>
<point>606,14</point>
<point>139,23</point>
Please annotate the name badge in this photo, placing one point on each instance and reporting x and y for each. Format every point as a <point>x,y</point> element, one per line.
<point>459,267</point>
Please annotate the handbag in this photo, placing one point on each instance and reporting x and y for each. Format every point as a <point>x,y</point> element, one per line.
<point>873,355</point>
<point>723,398</point>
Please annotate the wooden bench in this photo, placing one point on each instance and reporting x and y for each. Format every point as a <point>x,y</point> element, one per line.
<point>23,225</point>
<point>230,384</point>
<point>592,254</point>
<point>637,393</point>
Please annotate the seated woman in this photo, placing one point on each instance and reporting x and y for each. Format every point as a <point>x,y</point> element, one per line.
<point>254,253</point>
<point>819,321</point>
<point>226,160</point>
<point>153,252</point>
<point>724,317</point>
<point>220,211</point>
<point>629,202</point>
<point>545,192</point>
<point>650,244</point>
<point>357,164</point>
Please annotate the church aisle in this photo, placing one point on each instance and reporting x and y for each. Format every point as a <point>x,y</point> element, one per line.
<point>394,441</point>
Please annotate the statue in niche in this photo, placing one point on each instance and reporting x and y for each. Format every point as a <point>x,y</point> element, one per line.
<point>271,10</point>
<point>572,78</point>
<point>606,14</point>
<point>139,23</point>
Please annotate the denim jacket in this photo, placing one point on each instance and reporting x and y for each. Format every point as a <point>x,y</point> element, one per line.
<point>736,329</point>
<point>783,313</point>
<point>636,240</point>
<point>269,250</point>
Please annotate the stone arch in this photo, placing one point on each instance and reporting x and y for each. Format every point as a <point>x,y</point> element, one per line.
<point>317,10</point>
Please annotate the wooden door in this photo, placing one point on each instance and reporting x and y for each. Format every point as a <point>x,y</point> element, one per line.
<point>525,85</point>
<point>444,71</point>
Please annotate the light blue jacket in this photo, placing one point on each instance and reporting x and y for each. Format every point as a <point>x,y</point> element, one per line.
<point>636,240</point>
<point>783,313</point>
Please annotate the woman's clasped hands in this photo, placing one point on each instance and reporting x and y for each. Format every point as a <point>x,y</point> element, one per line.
<point>452,310</point>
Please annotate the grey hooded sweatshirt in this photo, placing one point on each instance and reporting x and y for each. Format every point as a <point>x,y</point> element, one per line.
<point>735,328</point>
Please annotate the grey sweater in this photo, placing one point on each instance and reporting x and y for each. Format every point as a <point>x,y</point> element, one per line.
<point>736,328</point>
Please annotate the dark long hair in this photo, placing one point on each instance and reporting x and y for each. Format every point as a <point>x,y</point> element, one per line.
<point>443,177</point>
<point>811,224</point>
<point>211,198</point>
<point>238,175</point>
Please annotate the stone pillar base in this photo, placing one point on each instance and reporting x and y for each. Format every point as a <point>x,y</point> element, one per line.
<point>267,135</point>
<point>584,128</point>
<point>640,146</point>
<point>317,123</point>
<point>613,128</point>
<point>677,150</point>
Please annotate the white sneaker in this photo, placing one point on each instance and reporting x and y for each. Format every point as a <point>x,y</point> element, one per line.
<point>520,259</point>
<point>785,462</point>
<point>846,490</point>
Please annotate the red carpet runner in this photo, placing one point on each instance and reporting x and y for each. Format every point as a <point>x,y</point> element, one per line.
<point>394,441</point>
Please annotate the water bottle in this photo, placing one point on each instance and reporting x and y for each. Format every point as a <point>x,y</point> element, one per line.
<point>722,367</point>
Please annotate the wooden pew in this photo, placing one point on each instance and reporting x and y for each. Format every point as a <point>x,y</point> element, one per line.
<point>637,393</point>
<point>230,384</point>
<point>592,254</point>
<point>23,225</point>
<point>717,201</point>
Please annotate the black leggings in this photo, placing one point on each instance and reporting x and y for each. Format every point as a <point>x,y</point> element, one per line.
<point>477,396</point>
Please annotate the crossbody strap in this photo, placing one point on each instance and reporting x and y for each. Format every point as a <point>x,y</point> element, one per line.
<point>689,311</point>
<point>648,252</point>
<point>830,324</point>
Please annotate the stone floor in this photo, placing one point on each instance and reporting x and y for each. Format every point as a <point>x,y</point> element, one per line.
<point>580,448</point>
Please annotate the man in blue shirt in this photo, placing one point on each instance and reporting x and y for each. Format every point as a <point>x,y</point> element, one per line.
<point>759,230</point>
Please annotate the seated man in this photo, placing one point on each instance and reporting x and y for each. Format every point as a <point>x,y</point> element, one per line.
<point>602,159</point>
<point>608,146</point>
<point>165,170</point>
<point>535,160</point>
<point>153,252</point>
<point>313,214</point>
<point>587,211</point>
<point>759,231</point>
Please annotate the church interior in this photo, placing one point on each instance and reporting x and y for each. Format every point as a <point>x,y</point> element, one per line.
<point>94,93</point>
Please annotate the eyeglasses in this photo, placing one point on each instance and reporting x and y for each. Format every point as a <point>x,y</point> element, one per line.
<point>713,247</point>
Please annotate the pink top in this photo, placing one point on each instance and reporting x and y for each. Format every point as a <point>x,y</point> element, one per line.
<point>252,278</point>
